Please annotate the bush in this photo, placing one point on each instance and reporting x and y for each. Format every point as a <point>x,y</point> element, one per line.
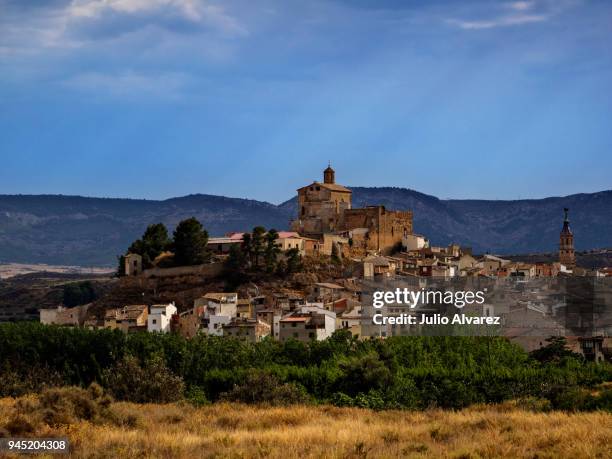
<point>262,387</point>
<point>372,400</point>
<point>196,396</point>
<point>59,406</point>
<point>576,398</point>
<point>151,383</point>
<point>28,380</point>
<point>341,399</point>
<point>535,404</point>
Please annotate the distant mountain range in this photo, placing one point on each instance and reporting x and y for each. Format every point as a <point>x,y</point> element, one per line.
<point>74,230</point>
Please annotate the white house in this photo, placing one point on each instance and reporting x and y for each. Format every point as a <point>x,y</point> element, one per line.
<point>219,304</point>
<point>160,317</point>
<point>310,323</point>
<point>214,324</point>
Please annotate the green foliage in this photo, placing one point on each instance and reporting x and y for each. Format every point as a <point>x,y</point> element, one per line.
<point>257,244</point>
<point>294,261</point>
<point>397,372</point>
<point>262,387</point>
<point>153,382</point>
<point>78,293</point>
<point>190,243</point>
<point>196,396</point>
<point>555,351</point>
<point>244,262</point>
<point>271,250</point>
<point>153,243</point>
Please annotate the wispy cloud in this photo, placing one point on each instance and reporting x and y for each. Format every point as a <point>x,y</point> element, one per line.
<point>67,24</point>
<point>521,6</point>
<point>504,21</point>
<point>196,11</point>
<point>512,14</point>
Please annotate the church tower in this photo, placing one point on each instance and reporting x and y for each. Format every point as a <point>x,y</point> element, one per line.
<point>329,175</point>
<point>567,255</point>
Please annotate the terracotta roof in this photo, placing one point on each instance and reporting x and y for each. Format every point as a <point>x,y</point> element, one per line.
<point>295,319</point>
<point>329,186</point>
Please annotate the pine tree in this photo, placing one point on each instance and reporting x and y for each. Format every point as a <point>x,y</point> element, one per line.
<point>272,250</point>
<point>190,243</point>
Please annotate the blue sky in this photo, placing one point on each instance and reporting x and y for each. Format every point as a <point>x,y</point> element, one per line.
<point>162,98</point>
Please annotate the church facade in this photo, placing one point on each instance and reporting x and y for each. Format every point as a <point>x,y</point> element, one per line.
<point>325,208</point>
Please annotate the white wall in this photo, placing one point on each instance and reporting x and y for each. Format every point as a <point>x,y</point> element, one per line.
<point>160,317</point>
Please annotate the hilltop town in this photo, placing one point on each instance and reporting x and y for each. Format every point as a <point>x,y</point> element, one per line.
<point>304,283</point>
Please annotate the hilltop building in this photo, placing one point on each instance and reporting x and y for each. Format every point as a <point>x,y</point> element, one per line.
<point>325,208</point>
<point>567,256</point>
<point>133,264</point>
<point>321,206</point>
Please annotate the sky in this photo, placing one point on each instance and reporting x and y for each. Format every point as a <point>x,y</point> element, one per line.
<point>162,98</point>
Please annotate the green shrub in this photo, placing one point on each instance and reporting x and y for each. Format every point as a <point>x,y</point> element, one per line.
<point>372,400</point>
<point>196,396</point>
<point>151,383</point>
<point>341,399</point>
<point>262,387</point>
<point>15,383</point>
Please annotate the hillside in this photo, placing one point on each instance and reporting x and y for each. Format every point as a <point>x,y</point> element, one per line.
<point>74,230</point>
<point>84,231</point>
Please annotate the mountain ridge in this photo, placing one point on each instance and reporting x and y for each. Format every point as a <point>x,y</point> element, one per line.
<point>92,231</point>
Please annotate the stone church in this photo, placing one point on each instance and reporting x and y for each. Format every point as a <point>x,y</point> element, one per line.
<point>324,209</point>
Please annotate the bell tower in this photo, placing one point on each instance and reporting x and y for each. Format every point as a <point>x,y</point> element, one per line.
<point>567,256</point>
<point>329,175</point>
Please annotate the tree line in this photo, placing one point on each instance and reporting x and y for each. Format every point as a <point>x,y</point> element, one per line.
<point>188,246</point>
<point>397,372</point>
<point>259,254</point>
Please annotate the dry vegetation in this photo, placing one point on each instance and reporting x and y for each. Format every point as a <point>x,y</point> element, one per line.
<point>224,430</point>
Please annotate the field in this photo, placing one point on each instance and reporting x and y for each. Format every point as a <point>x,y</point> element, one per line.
<point>224,430</point>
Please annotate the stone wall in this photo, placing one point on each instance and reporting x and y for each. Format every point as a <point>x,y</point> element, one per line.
<point>385,228</point>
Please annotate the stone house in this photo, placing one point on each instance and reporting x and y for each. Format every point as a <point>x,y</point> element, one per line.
<point>72,317</point>
<point>308,324</point>
<point>250,330</point>
<point>132,264</point>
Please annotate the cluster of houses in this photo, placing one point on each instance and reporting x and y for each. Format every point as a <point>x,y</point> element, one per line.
<point>418,258</point>
<point>283,315</point>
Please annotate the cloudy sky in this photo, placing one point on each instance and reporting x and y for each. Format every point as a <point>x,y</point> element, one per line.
<point>161,98</point>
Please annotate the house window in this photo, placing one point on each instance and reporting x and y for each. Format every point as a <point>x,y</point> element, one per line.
<point>295,335</point>
<point>294,325</point>
<point>311,335</point>
<point>154,321</point>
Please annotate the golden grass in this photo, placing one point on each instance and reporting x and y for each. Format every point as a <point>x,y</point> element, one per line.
<point>237,431</point>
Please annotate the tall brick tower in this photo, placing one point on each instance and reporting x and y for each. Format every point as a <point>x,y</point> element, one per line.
<point>567,255</point>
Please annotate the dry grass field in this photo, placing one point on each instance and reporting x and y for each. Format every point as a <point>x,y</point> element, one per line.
<point>237,431</point>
